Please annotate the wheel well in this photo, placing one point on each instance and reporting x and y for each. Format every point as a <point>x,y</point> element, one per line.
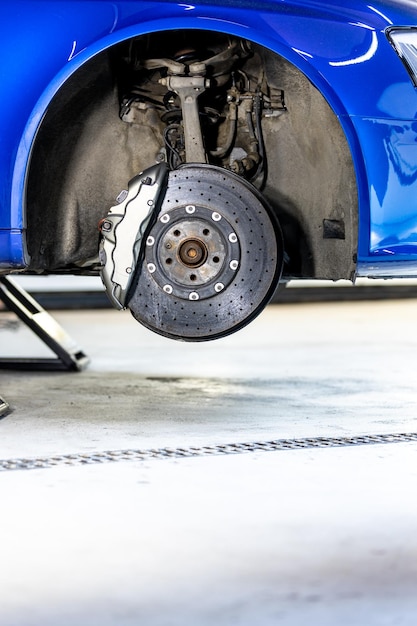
<point>84,154</point>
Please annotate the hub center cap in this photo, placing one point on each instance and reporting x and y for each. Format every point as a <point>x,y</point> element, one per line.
<point>192,252</point>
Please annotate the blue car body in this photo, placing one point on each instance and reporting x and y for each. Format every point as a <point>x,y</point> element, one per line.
<point>342,49</point>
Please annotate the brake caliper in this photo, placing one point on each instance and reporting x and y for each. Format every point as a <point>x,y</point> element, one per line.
<point>124,231</point>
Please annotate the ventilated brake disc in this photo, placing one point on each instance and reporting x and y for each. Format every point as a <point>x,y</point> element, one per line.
<point>211,260</point>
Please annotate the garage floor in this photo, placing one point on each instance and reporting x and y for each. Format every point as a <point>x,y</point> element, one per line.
<point>317,535</point>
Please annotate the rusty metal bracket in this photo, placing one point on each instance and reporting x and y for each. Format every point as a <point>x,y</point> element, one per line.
<point>69,356</point>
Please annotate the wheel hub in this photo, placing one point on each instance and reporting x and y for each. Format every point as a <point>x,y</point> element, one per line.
<point>190,257</point>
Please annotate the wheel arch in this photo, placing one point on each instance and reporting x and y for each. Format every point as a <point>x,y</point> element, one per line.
<point>255,35</point>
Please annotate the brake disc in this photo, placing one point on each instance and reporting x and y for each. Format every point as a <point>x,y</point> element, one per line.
<point>212,259</point>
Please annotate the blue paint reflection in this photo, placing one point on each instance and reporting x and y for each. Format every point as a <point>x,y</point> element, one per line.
<point>366,56</point>
<point>394,188</point>
<point>401,149</point>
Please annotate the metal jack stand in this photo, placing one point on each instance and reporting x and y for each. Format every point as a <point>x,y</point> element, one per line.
<point>69,356</point>
<point>3,406</point>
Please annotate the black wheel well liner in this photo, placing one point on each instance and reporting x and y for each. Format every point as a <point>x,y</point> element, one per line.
<point>83,155</point>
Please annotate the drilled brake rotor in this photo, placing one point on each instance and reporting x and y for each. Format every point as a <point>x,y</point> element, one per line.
<point>212,259</point>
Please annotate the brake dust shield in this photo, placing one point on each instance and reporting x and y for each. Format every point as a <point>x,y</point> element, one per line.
<point>212,259</point>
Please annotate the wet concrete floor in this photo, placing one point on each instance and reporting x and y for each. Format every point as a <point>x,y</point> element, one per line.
<point>319,536</point>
